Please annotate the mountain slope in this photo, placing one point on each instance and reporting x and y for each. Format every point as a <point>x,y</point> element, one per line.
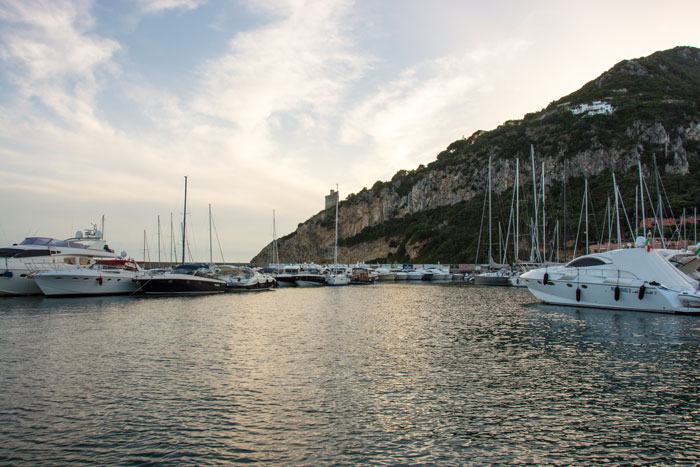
<point>434,213</point>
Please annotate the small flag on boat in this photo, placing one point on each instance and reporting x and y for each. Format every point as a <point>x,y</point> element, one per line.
<point>648,244</point>
<point>697,252</point>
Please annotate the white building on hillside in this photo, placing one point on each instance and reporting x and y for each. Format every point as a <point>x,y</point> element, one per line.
<point>595,108</point>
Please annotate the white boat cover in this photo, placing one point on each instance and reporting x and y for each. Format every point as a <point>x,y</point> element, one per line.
<point>650,266</point>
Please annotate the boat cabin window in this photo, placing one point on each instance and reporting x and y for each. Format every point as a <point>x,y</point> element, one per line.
<point>585,262</point>
<point>69,260</point>
<point>30,253</point>
<point>8,252</point>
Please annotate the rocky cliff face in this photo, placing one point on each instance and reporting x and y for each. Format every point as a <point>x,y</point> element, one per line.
<point>313,240</point>
<point>461,172</point>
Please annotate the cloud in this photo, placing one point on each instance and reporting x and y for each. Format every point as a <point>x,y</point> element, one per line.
<point>299,64</point>
<point>156,6</point>
<point>52,56</point>
<point>426,106</point>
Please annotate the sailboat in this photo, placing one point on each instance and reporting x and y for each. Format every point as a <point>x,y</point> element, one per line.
<point>184,279</point>
<point>495,277</point>
<point>339,275</point>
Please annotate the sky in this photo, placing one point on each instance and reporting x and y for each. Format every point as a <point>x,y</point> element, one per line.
<point>266,105</point>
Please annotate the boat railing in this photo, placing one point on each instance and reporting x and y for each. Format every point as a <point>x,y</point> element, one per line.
<point>44,265</point>
<point>607,273</point>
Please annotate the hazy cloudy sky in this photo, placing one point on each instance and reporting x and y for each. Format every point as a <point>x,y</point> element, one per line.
<point>106,105</point>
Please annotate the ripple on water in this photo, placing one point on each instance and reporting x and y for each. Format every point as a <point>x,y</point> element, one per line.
<point>385,374</point>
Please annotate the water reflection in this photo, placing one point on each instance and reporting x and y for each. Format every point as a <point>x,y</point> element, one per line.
<point>386,374</point>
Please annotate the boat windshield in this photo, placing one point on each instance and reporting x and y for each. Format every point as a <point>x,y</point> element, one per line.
<point>585,261</point>
<point>37,241</point>
<point>51,242</point>
<point>190,269</point>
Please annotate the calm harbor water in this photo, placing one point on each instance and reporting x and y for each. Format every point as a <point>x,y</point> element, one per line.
<point>376,375</point>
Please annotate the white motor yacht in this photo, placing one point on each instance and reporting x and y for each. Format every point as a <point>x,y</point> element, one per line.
<point>385,275</point>
<point>419,275</point>
<point>440,274</point>
<point>106,277</point>
<point>495,278</point>
<point>625,279</point>
<point>288,276</point>
<point>401,275</point>
<point>311,275</point>
<point>340,275</point>
<point>20,262</point>
<point>243,278</point>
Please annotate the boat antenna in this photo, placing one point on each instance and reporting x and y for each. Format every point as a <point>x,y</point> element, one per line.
<point>184,221</point>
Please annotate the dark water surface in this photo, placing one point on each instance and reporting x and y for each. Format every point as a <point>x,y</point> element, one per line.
<point>376,375</point>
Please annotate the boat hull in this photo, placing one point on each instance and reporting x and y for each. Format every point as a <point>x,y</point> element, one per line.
<point>602,295</point>
<point>500,281</point>
<point>66,284</point>
<point>310,281</point>
<point>181,285</point>
<point>19,283</point>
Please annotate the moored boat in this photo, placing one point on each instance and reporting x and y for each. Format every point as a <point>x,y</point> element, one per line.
<point>339,275</point>
<point>624,279</point>
<point>244,279</point>
<point>106,277</point>
<point>185,279</point>
<point>20,262</point>
<point>496,278</point>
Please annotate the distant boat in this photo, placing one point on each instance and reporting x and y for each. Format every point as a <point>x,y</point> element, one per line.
<point>496,278</point>
<point>240,279</point>
<point>288,276</point>
<point>419,275</point>
<point>20,262</point>
<point>362,276</point>
<point>385,275</point>
<point>106,277</point>
<point>624,279</point>
<point>401,275</point>
<point>312,276</point>
<point>340,275</point>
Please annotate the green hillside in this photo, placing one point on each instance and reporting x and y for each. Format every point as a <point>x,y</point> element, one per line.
<point>657,106</point>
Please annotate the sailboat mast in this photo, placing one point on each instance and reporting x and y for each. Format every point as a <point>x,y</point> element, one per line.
<point>158,240</point>
<point>660,220</point>
<point>641,196</point>
<point>534,198</point>
<point>544,229</point>
<point>617,212</point>
<point>636,212</point>
<point>335,248</point>
<point>585,197</point>
<point>211,258</point>
<point>172,240</point>
<point>184,224</point>
<point>517,206</point>
<point>275,253</point>
<point>489,211</point>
